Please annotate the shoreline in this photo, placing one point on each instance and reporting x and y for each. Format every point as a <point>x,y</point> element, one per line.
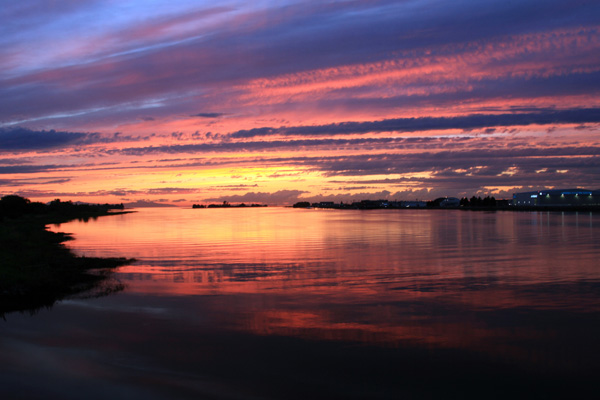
<point>511,209</point>
<point>37,269</point>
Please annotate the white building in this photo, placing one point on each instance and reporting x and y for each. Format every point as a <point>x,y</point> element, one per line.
<point>557,198</point>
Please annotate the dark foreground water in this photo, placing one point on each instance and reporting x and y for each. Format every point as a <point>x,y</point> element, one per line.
<point>277,303</point>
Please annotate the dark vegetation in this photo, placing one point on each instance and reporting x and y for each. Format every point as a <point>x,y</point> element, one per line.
<point>302,204</point>
<point>478,202</point>
<point>359,205</point>
<point>226,204</point>
<point>56,211</point>
<point>36,269</point>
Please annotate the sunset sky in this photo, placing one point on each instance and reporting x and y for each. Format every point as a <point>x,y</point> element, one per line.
<point>185,102</point>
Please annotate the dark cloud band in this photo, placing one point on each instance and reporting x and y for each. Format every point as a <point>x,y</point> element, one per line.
<point>474,121</point>
<point>18,138</point>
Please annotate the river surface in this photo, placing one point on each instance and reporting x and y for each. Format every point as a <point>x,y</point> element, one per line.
<point>281,303</point>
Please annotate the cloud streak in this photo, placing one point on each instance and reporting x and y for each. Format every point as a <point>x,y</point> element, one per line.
<point>182,60</point>
<point>16,139</point>
<point>544,117</point>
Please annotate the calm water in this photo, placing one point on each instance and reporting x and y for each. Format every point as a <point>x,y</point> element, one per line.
<point>284,303</point>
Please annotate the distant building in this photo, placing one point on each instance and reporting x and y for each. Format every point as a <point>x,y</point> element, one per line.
<point>414,204</point>
<point>450,202</point>
<point>324,204</point>
<point>557,198</point>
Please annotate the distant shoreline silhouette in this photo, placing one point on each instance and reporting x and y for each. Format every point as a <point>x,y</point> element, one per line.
<point>226,204</point>
<point>487,203</point>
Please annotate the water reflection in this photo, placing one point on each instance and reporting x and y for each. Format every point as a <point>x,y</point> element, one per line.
<point>350,260</point>
<point>237,303</point>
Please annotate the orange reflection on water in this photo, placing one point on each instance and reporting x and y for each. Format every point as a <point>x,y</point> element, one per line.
<point>444,279</point>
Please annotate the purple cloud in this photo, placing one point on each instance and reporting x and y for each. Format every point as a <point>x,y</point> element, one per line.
<point>432,123</point>
<point>171,63</point>
<point>17,139</point>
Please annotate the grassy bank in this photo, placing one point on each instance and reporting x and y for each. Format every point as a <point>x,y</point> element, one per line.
<point>36,269</point>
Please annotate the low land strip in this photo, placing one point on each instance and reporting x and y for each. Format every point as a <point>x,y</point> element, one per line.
<point>36,268</point>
